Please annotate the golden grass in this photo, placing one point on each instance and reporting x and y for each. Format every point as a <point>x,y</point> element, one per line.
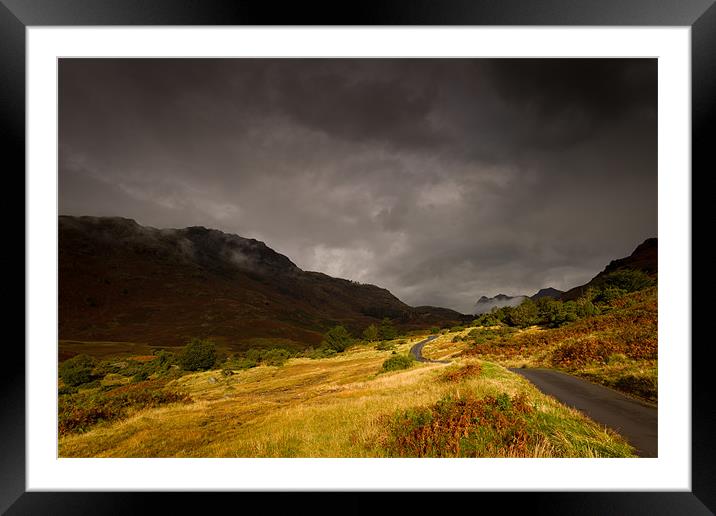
<point>443,347</point>
<point>332,407</point>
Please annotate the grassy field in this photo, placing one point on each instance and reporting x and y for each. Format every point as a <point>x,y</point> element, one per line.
<point>343,406</point>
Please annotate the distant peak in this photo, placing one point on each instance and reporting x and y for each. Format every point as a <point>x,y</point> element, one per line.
<point>547,292</point>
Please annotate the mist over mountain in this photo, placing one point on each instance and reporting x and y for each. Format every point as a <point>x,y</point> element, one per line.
<point>438,179</point>
<point>486,304</point>
<point>644,258</point>
<point>120,281</point>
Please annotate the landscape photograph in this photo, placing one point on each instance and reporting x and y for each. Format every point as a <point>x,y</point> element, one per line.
<point>357,258</point>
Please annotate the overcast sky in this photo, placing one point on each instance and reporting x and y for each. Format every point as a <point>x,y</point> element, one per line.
<point>442,180</point>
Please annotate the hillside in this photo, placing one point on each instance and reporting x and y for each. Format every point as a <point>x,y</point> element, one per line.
<point>122,282</point>
<point>617,348</point>
<point>644,258</point>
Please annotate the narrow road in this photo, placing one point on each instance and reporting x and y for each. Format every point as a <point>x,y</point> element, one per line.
<point>417,352</point>
<point>634,420</point>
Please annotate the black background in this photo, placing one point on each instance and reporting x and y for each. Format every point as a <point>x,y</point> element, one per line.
<point>15,15</point>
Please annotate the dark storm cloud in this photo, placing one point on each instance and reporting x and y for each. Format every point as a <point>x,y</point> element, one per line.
<point>442,180</point>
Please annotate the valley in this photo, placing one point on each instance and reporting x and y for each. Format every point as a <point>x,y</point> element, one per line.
<point>195,343</point>
<point>346,407</point>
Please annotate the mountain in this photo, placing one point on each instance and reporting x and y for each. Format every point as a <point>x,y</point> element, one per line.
<point>547,292</point>
<point>120,281</point>
<point>644,258</point>
<point>486,304</point>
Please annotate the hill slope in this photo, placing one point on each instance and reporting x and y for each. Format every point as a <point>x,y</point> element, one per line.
<point>644,258</point>
<point>119,281</point>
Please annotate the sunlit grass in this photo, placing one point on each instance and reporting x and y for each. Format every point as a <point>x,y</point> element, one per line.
<point>334,407</point>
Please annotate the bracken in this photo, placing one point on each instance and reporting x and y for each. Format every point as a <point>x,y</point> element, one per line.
<point>79,412</point>
<point>463,427</point>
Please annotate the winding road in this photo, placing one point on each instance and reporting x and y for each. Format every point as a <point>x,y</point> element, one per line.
<point>417,352</point>
<point>634,420</point>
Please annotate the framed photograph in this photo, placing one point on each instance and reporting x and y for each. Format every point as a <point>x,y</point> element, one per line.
<point>417,248</point>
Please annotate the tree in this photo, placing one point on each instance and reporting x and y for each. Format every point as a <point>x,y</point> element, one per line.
<point>387,331</point>
<point>77,370</point>
<point>488,319</point>
<point>371,333</point>
<point>198,355</point>
<point>523,315</point>
<point>554,313</point>
<point>337,339</point>
<point>550,312</point>
<point>585,307</point>
<point>501,315</point>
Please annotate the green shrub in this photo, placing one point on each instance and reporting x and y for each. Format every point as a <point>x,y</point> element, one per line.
<point>337,339</point>
<point>387,331</point>
<point>385,345</point>
<point>398,362</point>
<point>555,313</point>
<point>165,358</point>
<point>371,333</point>
<point>198,355</point>
<point>77,370</point>
<point>629,280</point>
<point>140,371</point>
<point>483,335</point>
<point>255,355</point>
<point>322,352</point>
<point>610,294</point>
<point>489,319</point>
<point>276,357</point>
<point>585,307</point>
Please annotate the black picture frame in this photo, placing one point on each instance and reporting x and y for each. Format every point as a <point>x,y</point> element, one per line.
<point>700,15</point>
